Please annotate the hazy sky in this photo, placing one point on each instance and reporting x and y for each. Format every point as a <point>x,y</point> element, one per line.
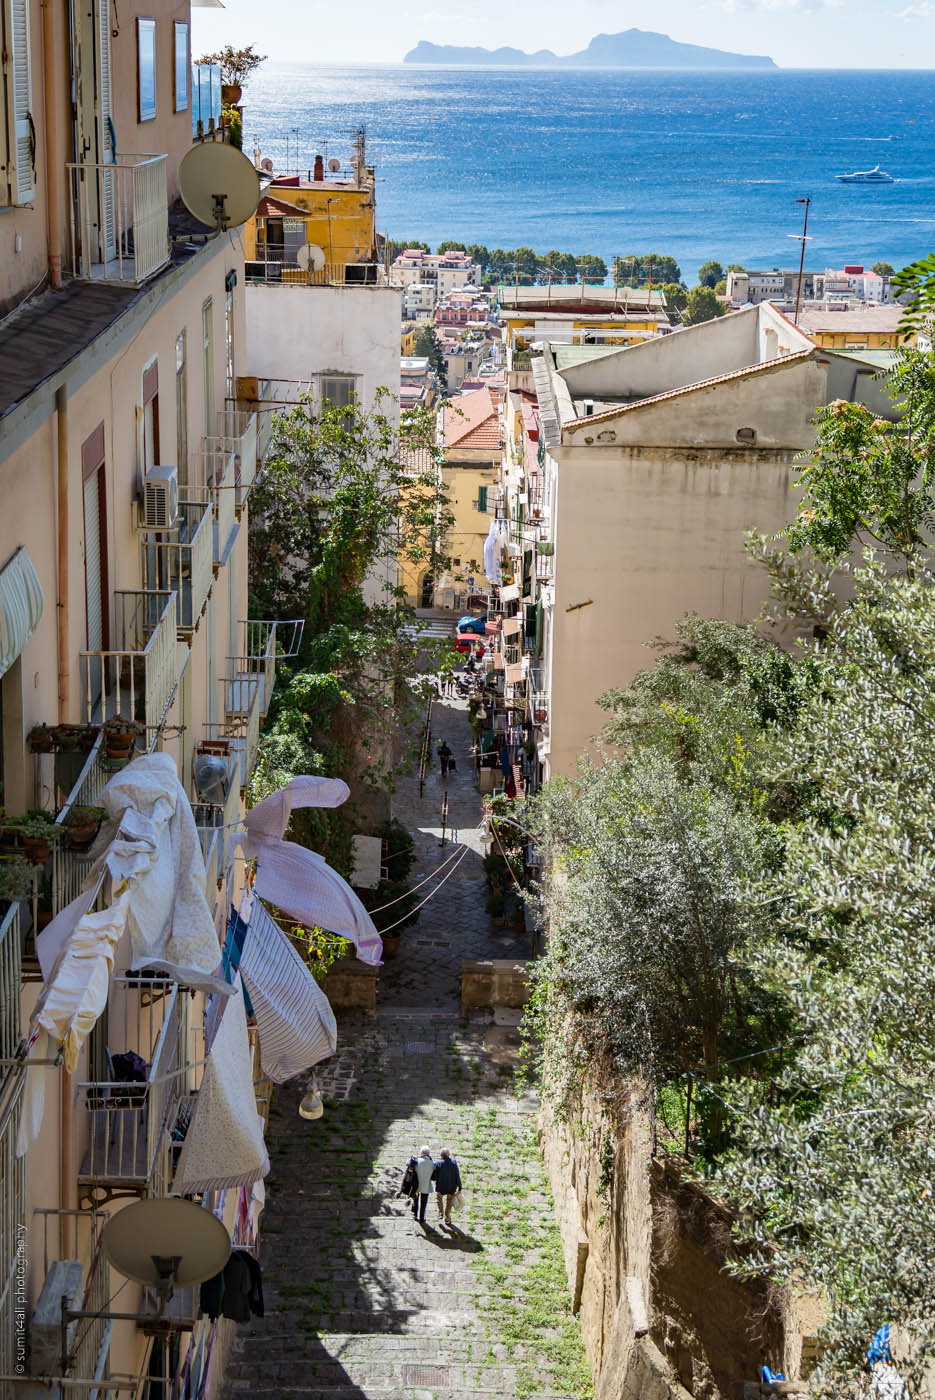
<point>796,33</point>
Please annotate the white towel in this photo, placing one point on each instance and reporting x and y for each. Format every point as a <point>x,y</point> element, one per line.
<point>294,1017</point>
<point>299,881</point>
<point>224,1144</point>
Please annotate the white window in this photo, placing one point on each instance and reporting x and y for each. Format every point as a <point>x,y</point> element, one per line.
<point>18,140</point>
<point>339,389</point>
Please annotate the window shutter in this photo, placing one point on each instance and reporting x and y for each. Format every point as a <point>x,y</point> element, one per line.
<point>482,499</point>
<point>23,183</point>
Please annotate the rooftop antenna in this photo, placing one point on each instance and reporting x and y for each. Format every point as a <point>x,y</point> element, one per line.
<point>803,237</point>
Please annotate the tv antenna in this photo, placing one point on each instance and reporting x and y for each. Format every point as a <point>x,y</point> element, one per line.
<point>803,239</point>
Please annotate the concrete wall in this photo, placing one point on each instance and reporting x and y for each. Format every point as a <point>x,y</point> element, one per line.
<point>642,537</point>
<point>299,332</point>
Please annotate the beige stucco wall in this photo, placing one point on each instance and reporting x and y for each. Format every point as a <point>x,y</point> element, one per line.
<point>465,538</point>
<point>641,539</point>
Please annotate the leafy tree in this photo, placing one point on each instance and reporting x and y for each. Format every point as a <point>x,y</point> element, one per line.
<point>636,268</point>
<point>710,273</point>
<point>918,279</point>
<point>479,253</point>
<point>735,267</point>
<point>237,65</point>
<point>426,343</point>
<point>702,305</point>
<point>592,270</point>
<point>720,289</point>
<point>869,481</point>
<point>395,246</point>
<point>883,269</point>
<point>338,498</point>
<point>676,296</point>
<point>451,246</point>
<point>525,266</point>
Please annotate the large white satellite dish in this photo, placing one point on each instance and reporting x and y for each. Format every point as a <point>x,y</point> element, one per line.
<point>334,165</point>
<point>218,184</point>
<point>310,257</point>
<point>166,1243</point>
<point>267,165</point>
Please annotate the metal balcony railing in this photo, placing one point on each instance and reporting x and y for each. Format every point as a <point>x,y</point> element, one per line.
<point>217,821</point>
<point>214,476</point>
<point>237,430</point>
<point>119,219</point>
<point>70,867</point>
<point>183,563</point>
<point>130,1123</point>
<point>273,263</point>
<point>10,966</point>
<point>138,678</point>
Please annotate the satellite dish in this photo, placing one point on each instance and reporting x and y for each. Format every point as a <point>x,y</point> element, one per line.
<point>310,257</point>
<point>267,165</point>
<point>218,184</point>
<point>334,165</point>
<point>166,1243</point>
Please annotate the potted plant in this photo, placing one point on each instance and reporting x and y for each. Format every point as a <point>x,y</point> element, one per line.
<point>119,738</point>
<point>16,878</point>
<point>81,826</point>
<point>36,830</point>
<point>40,739</point>
<point>495,908</point>
<point>236,67</point>
<point>233,125</point>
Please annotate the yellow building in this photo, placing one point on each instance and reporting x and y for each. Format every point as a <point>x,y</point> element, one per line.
<point>858,328</point>
<point>407,340</point>
<point>125,469</point>
<point>574,315</point>
<point>334,215</point>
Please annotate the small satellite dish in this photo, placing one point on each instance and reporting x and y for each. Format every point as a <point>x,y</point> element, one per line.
<point>166,1243</point>
<point>334,165</point>
<point>267,165</point>
<point>218,184</point>
<point>310,257</point>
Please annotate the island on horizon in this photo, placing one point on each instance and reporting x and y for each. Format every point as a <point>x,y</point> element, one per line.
<point>634,48</point>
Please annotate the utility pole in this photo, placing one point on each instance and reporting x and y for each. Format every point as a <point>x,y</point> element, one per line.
<point>798,295</point>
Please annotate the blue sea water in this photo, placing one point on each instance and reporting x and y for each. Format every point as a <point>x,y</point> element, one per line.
<point>699,165</point>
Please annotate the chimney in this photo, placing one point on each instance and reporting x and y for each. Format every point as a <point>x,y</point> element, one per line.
<point>588,406</point>
<point>319,168</point>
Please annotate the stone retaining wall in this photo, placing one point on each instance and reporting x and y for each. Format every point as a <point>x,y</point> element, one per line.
<point>352,986</point>
<point>494,982</point>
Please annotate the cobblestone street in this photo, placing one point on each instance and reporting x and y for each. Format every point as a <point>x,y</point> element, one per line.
<point>363,1303</point>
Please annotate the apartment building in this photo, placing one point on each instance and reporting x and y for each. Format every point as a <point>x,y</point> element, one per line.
<point>444,272</point>
<point>629,480</point>
<point>125,468</point>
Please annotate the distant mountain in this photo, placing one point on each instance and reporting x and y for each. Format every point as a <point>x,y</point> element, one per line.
<point>634,48</point>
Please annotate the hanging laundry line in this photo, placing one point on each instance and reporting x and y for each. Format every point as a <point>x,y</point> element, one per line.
<point>430,895</point>
<point>437,871</point>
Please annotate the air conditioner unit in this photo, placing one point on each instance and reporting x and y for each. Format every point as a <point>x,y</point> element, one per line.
<point>160,499</point>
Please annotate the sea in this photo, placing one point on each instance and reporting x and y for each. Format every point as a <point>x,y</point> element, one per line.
<point>695,164</point>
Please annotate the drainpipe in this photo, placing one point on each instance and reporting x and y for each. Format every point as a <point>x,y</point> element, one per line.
<point>64,687</point>
<point>50,76</point>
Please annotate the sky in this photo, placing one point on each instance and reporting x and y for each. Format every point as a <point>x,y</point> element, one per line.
<point>795,33</point>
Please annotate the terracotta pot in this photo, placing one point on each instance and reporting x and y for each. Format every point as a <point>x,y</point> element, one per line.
<point>390,945</point>
<point>118,745</point>
<point>231,94</point>
<point>541,716</point>
<point>36,849</point>
<point>40,742</point>
<point>79,838</point>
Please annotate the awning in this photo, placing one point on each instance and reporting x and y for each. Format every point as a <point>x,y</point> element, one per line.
<point>21,602</point>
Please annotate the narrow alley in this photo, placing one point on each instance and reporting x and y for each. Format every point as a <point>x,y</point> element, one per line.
<point>363,1303</point>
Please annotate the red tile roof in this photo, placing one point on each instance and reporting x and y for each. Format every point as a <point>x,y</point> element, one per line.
<point>472,421</point>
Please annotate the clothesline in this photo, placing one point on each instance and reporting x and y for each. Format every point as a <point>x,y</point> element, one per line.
<point>430,895</point>
<point>462,845</point>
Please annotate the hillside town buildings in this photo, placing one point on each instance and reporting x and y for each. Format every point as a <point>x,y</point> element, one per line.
<point>443,272</point>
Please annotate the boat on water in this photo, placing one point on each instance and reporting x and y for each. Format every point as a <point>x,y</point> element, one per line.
<point>876,176</point>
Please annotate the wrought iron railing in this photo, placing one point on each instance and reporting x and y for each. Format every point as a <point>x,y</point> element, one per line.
<point>182,561</point>
<point>137,679</point>
<point>120,218</point>
<point>237,429</point>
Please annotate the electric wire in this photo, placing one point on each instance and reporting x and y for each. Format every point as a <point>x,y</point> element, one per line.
<point>430,895</point>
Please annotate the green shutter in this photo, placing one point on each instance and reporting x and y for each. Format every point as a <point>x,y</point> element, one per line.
<point>482,499</point>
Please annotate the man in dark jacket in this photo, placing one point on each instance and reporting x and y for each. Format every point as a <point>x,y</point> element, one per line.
<point>447,1180</point>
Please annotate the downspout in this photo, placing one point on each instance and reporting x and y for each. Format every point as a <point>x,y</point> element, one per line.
<point>66,1113</point>
<point>52,187</point>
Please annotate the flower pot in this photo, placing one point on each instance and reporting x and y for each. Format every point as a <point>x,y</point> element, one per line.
<point>36,849</point>
<point>40,740</point>
<point>119,746</point>
<point>390,944</point>
<point>541,716</point>
<point>112,763</point>
<point>80,836</point>
<point>231,94</point>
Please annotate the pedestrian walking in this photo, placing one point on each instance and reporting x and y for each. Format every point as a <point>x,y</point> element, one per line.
<point>444,757</point>
<point>447,1178</point>
<point>425,1171</point>
<point>409,1186</point>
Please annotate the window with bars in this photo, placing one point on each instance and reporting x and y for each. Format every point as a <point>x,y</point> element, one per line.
<point>339,390</point>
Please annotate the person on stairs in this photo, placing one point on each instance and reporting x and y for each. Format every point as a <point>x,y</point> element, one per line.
<point>447,1179</point>
<point>409,1186</point>
<point>425,1171</point>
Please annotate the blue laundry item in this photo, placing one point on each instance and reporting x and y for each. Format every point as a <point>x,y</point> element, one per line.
<point>506,763</point>
<point>880,1346</point>
<point>767,1376</point>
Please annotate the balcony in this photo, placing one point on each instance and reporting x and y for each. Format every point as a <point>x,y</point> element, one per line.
<point>237,431</point>
<point>217,820</point>
<point>119,219</point>
<point>10,968</point>
<point>138,679</point>
<point>213,473</point>
<point>70,867</point>
<point>133,1123</point>
<point>275,264</point>
<point>182,562</point>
